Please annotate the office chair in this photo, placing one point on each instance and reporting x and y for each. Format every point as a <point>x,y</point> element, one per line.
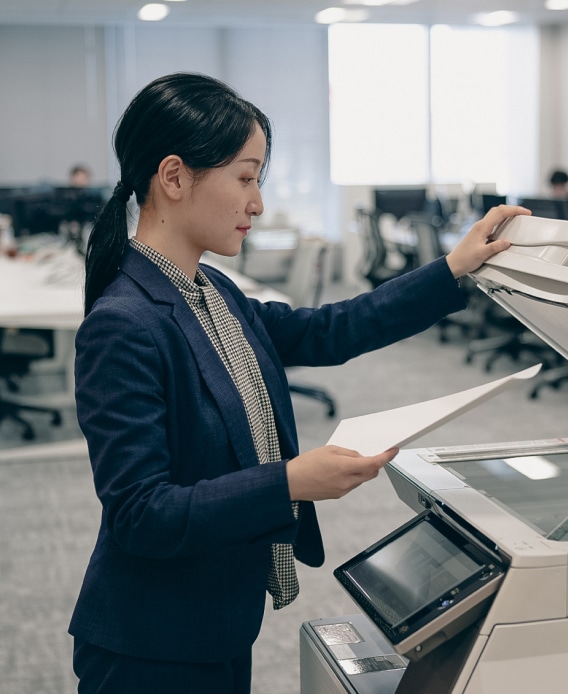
<point>427,230</point>
<point>18,349</point>
<point>304,286</point>
<point>376,264</point>
<point>514,342</point>
<point>552,378</point>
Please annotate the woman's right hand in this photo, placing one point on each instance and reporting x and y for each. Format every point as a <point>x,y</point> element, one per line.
<point>330,472</point>
<point>477,246</point>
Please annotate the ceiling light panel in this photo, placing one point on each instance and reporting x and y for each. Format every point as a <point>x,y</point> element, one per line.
<point>153,12</point>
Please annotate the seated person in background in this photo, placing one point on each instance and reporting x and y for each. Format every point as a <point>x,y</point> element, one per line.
<point>80,176</point>
<point>559,184</point>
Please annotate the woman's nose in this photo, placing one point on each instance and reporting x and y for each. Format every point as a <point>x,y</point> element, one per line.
<point>256,206</point>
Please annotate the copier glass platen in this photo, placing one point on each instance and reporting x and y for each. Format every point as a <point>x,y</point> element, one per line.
<point>472,594</point>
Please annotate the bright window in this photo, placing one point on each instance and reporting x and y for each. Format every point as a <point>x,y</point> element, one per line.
<point>484,106</point>
<point>411,104</point>
<point>378,103</point>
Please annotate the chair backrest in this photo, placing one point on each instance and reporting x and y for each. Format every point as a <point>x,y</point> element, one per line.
<point>19,347</point>
<point>30,343</point>
<point>428,245</point>
<point>374,252</point>
<point>306,276</point>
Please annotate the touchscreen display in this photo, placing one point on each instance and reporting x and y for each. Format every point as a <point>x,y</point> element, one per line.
<point>415,569</point>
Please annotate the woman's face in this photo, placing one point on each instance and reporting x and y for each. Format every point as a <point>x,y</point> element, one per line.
<point>223,202</point>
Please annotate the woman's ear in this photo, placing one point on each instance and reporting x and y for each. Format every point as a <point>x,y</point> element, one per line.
<point>171,176</point>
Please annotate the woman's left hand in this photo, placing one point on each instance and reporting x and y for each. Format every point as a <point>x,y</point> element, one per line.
<point>474,249</point>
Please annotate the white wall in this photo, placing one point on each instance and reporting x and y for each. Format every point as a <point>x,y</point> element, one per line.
<point>137,54</point>
<point>52,102</point>
<point>285,73</point>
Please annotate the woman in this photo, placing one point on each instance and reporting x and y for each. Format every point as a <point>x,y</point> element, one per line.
<point>182,396</point>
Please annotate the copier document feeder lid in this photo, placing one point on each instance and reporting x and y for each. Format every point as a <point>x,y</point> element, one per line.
<point>530,279</point>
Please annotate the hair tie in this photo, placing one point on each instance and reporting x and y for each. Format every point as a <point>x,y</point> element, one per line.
<point>122,193</point>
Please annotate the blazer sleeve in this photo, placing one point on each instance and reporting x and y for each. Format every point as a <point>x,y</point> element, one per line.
<point>335,333</point>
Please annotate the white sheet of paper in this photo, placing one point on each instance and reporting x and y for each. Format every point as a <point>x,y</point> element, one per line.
<point>374,433</point>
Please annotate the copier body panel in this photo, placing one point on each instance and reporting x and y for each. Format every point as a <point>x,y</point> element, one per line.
<point>473,592</point>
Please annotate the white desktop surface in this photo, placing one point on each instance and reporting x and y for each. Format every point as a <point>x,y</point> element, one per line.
<point>48,293</point>
<point>37,294</point>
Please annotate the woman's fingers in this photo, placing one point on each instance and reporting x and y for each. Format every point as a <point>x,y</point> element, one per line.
<point>330,472</point>
<point>476,246</point>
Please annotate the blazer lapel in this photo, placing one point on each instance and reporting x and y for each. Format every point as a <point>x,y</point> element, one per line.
<point>274,378</point>
<point>145,273</point>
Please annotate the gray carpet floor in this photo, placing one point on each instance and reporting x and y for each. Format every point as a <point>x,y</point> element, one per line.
<point>49,513</point>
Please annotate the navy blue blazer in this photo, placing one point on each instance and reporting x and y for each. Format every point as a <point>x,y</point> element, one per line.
<point>180,565</point>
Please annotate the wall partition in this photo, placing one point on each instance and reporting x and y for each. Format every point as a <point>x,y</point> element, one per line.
<point>54,108</point>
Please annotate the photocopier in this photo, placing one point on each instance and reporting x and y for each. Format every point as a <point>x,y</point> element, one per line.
<point>471,595</point>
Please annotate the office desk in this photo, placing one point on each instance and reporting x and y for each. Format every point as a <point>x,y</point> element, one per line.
<point>41,294</point>
<point>45,293</point>
<point>49,293</point>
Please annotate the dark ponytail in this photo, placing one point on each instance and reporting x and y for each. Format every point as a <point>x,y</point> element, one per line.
<point>106,246</point>
<point>198,118</point>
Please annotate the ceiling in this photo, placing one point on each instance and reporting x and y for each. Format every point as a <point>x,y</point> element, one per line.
<point>248,12</point>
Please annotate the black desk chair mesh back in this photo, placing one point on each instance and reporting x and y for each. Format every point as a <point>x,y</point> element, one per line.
<point>427,237</point>
<point>18,349</point>
<point>304,286</point>
<point>426,230</point>
<point>376,264</point>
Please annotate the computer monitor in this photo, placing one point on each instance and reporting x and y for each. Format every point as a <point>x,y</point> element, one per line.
<point>7,197</point>
<point>400,200</point>
<point>43,212</point>
<point>31,214</point>
<point>549,208</point>
<point>78,204</point>
<point>483,202</point>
